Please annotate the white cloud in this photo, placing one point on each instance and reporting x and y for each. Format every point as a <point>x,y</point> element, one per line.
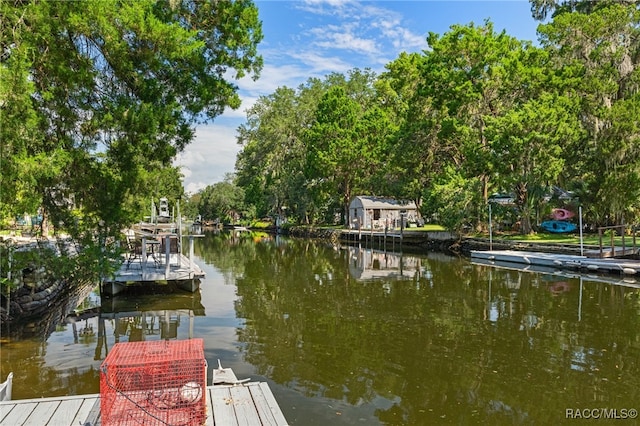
<point>341,35</point>
<point>345,37</point>
<point>209,157</point>
<point>400,37</point>
<point>319,65</point>
<point>274,76</point>
<point>327,7</point>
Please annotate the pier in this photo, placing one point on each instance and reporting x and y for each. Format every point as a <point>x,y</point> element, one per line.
<point>393,237</point>
<point>248,404</point>
<point>155,259</point>
<point>629,269</point>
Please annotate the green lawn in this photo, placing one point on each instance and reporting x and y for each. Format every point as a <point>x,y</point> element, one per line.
<point>588,239</point>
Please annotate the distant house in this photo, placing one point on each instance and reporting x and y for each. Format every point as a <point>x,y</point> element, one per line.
<point>367,212</point>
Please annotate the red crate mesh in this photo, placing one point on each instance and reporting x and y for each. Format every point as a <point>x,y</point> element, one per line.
<point>154,383</point>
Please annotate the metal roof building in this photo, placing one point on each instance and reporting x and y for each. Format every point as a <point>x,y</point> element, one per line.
<point>367,212</point>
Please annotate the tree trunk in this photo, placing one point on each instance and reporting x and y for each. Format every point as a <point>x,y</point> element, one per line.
<point>522,201</point>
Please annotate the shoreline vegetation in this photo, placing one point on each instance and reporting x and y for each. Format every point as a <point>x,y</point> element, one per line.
<point>422,239</point>
<point>34,290</point>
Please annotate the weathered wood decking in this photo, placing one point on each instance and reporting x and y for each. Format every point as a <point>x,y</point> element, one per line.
<point>152,265</point>
<point>249,404</point>
<point>173,267</point>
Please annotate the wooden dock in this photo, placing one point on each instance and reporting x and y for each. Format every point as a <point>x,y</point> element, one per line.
<point>625,267</point>
<point>153,265</point>
<point>248,404</point>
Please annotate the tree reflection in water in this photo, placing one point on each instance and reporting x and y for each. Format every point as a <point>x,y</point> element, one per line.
<point>431,339</point>
<point>355,336</point>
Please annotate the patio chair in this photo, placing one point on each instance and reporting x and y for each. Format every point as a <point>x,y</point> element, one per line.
<point>134,247</point>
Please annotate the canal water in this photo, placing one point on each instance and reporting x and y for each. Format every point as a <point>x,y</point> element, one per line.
<point>355,336</point>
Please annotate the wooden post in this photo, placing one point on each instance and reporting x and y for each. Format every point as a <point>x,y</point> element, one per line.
<point>613,247</point>
<point>190,251</point>
<point>143,261</point>
<point>167,255</point>
<point>179,228</point>
<point>10,258</point>
<point>490,230</point>
<point>581,242</point>
<point>191,318</point>
<point>600,240</point>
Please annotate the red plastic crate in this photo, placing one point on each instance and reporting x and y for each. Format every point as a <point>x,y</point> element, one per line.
<point>154,383</point>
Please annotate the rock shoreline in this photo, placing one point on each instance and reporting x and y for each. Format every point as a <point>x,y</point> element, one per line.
<point>35,292</point>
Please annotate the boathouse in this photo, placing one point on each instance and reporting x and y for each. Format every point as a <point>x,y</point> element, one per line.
<point>368,212</point>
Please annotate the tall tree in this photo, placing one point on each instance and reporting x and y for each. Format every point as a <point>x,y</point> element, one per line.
<point>467,79</point>
<point>223,201</point>
<point>528,142</point>
<point>602,45</point>
<point>106,90</point>
<point>411,158</point>
<point>334,149</point>
<point>271,164</point>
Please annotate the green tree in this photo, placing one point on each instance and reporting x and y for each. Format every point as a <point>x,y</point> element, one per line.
<point>409,159</point>
<point>270,165</point>
<point>335,150</point>
<point>601,45</point>
<point>274,164</point>
<point>528,145</point>
<point>223,201</point>
<point>100,92</point>
<point>469,77</point>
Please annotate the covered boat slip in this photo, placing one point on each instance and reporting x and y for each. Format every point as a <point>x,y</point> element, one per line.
<point>628,269</point>
<point>249,404</point>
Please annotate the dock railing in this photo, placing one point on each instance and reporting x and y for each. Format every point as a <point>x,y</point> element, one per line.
<point>622,231</point>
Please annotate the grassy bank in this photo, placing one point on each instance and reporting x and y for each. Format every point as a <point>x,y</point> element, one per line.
<point>587,239</point>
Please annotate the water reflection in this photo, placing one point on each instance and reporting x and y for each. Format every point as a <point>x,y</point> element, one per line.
<point>347,335</point>
<point>433,339</point>
<point>135,319</point>
<point>67,360</point>
<point>370,264</point>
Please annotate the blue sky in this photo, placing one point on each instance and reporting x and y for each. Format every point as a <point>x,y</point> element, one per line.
<point>313,38</point>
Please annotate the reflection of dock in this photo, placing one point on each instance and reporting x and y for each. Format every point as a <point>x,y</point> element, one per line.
<point>251,404</point>
<point>368,264</point>
<point>620,271</point>
<point>140,318</point>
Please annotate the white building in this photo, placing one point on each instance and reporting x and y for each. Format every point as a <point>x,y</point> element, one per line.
<point>366,212</point>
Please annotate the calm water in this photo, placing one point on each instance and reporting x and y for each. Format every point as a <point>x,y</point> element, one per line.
<point>354,336</point>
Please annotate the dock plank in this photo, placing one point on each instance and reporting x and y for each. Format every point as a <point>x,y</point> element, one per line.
<point>623,267</point>
<point>262,406</point>
<point>209,419</point>
<point>41,413</point>
<point>82,415</point>
<point>19,413</point>
<point>246,415</point>
<point>223,412</point>
<point>93,417</point>
<point>66,412</point>
<point>4,411</point>
<point>250,404</point>
<point>274,408</point>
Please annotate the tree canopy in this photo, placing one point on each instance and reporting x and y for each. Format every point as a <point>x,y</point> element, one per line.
<point>96,98</point>
<point>478,113</point>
